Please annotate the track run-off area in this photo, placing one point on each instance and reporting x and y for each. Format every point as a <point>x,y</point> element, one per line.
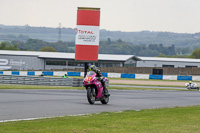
<point>25,104</point>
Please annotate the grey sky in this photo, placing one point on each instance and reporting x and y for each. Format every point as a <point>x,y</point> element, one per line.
<point>181,16</point>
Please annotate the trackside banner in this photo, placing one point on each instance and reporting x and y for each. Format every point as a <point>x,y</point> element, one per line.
<point>87,34</point>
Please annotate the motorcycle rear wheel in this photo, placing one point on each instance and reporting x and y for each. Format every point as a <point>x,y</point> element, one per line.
<point>91,95</point>
<point>105,100</point>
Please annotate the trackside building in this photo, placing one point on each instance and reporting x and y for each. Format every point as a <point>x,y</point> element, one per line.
<point>31,60</point>
<point>167,62</point>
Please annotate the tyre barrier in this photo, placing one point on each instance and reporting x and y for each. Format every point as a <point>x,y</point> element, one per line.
<point>77,82</point>
<point>34,80</point>
<point>41,80</point>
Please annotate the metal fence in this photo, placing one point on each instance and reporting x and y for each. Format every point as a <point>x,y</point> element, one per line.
<point>41,80</point>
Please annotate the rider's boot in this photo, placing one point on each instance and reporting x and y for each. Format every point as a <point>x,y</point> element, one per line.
<point>105,90</point>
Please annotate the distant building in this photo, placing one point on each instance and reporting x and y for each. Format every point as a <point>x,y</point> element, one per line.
<point>29,60</point>
<point>167,62</point>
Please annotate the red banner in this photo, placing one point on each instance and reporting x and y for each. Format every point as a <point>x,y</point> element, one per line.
<point>87,34</point>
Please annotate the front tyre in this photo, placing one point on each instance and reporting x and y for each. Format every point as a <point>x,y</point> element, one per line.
<point>91,95</point>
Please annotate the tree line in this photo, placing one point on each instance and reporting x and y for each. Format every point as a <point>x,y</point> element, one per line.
<point>106,47</point>
<point>121,47</point>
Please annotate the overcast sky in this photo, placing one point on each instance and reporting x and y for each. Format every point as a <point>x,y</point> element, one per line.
<point>180,16</point>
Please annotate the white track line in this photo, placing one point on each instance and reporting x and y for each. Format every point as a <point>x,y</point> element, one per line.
<point>28,119</point>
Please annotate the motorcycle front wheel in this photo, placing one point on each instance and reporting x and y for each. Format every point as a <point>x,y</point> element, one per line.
<point>91,95</point>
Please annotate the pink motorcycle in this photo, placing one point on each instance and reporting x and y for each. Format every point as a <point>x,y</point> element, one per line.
<point>94,88</point>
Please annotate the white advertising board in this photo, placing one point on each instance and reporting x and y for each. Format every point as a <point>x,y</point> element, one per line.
<point>87,35</point>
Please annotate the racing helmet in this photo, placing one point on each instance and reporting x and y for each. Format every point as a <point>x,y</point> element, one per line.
<point>190,82</point>
<point>92,68</point>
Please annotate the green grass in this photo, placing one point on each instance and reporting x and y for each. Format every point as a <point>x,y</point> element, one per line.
<point>166,120</point>
<point>80,88</point>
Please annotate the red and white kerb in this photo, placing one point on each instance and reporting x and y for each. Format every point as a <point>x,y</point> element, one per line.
<point>87,34</point>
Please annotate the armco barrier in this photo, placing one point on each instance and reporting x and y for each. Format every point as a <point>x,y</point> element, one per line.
<point>73,73</point>
<point>124,75</point>
<point>184,77</point>
<point>31,73</point>
<point>155,76</point>
<point>114,75</point>
<point>196,78</point>
<point>105,74</point>
<point>141,76</point>
<point>169,77</point>
<point>48,73</point>
<point>15,73</point>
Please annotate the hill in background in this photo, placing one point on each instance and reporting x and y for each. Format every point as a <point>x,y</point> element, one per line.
<point>23,33</point>
<point>143,43</point>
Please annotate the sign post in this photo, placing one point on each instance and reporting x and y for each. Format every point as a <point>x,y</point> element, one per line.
<point>87,35</point>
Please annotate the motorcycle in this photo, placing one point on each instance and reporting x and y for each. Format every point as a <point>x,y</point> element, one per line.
<point>191,86</point>
<point>94,89</point>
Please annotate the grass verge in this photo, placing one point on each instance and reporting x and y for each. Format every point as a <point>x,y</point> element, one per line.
<point>166,120</point>
<point>79,88</point>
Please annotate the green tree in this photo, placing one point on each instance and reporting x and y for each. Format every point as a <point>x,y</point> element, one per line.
<point>8,46</point>
<point>48,49</point>
<point>196,53</point>
<point>161,55</point>
<point>3,46</point>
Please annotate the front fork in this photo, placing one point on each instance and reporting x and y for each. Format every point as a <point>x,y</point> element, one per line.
<point>92,90</point>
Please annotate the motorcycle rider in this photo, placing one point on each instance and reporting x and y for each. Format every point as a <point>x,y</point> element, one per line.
<point>102,80</point>
<point>192,84</point>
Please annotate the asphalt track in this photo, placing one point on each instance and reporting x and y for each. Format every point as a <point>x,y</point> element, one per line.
<point>26,104</point>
